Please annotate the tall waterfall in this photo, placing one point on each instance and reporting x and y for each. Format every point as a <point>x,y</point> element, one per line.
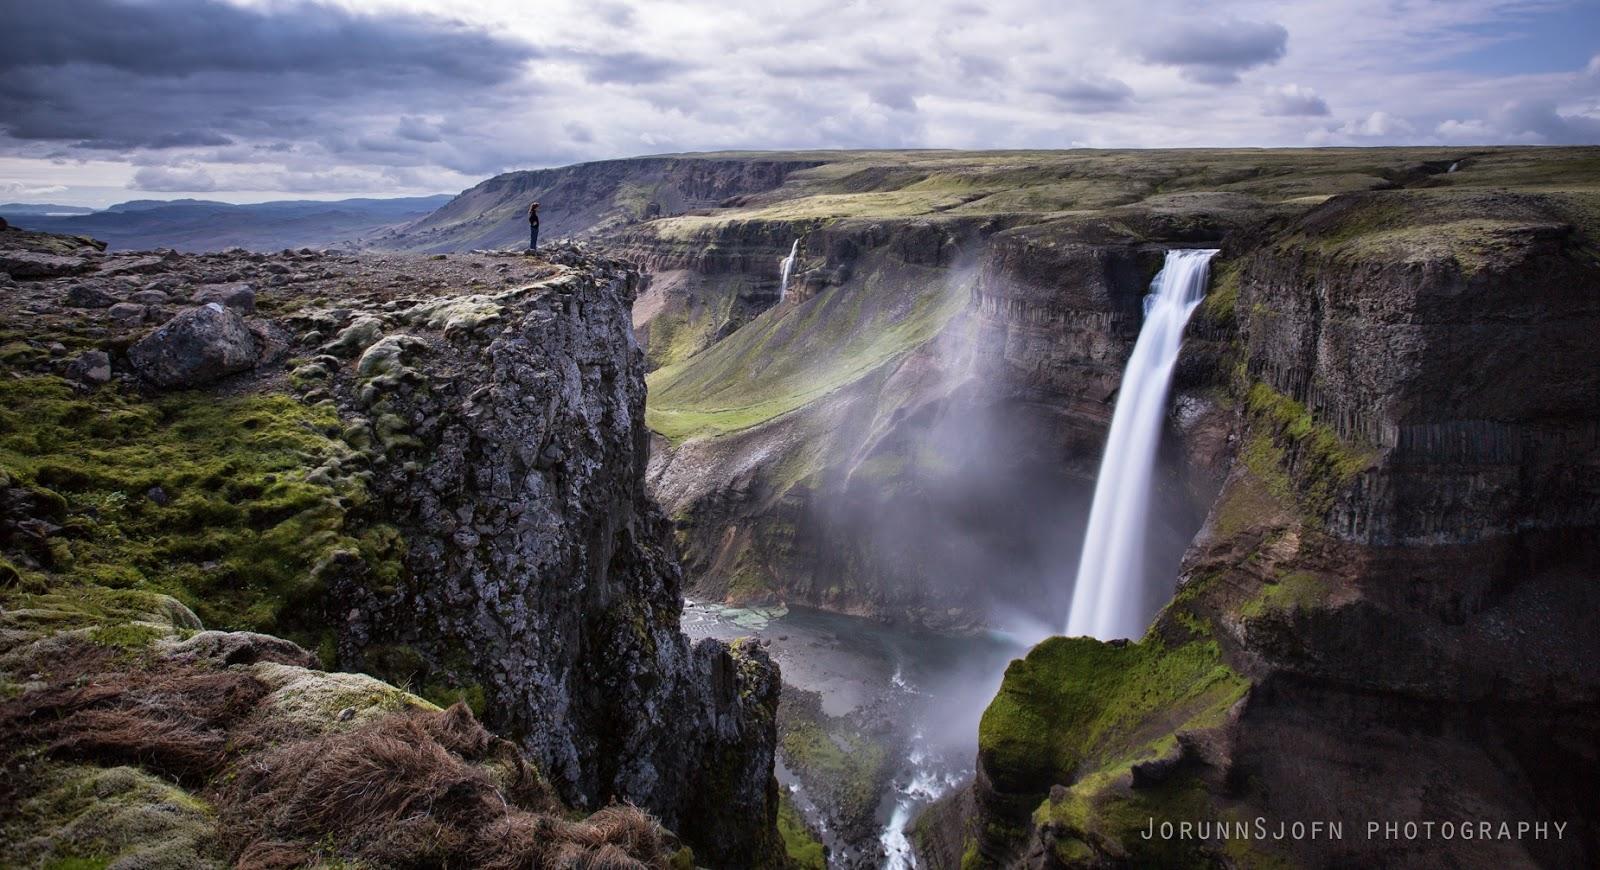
<point>1108,600</point>
<point>785,267</point>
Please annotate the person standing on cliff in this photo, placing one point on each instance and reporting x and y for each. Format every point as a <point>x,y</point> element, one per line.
<point>533,227</point>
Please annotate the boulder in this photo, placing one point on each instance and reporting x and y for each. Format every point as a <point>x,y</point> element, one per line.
<point>93,367</point>
<point>29,264</point>
<point>225,648</point>
<point>133,266</point>
<point>127,312</point>
<point>88,296</point>
<point>148,297</point>
<point>196,347</point>
<point>238,296</point>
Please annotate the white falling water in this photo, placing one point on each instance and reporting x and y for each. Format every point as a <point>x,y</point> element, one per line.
<point>1108,601</point>
<point>1453,167</point>
<point>786,266</point>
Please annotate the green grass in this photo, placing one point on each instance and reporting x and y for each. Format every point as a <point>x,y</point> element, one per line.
<point>260,495</point>
<point>789,357</point>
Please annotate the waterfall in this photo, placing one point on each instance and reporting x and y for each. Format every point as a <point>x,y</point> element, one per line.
<point>1108,601</point>
<point>1453,167</point>
<point>786,266</point>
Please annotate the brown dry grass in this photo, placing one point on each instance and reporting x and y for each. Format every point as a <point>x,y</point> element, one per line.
<point>411,790</point>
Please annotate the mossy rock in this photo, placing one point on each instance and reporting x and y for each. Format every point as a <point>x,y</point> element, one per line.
<point>317,702</point>
<point>1076,705</point>
<point>84,816</point>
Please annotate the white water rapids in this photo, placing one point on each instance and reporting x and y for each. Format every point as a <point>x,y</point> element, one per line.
<point>1108,600</point>
<point>785,268</point>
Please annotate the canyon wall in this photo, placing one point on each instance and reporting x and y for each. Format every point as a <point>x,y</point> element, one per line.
<point>1381,619</point>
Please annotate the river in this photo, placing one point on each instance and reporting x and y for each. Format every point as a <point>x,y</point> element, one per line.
<point>941,682</point>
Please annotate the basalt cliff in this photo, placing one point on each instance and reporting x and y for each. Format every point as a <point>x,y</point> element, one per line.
<point>280,530</point>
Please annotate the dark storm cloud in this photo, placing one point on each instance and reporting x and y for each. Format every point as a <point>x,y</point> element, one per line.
<point>190,73</point>
<point>179,37</point>
<point>170,179</point>
<point>1215,52</point>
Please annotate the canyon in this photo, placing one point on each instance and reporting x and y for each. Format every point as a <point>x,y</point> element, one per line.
<point>1370,540</point>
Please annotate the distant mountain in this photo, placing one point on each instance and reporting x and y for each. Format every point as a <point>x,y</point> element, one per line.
<point>203,225</point>
<point>151,204</point>
<point>11,209</point>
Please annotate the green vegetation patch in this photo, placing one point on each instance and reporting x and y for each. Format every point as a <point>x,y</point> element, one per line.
<point>790,356</point>
<point>832,756</point>
<point>805,851</point>
<point>1297,458</point>
<point>1296,590</point>
<point>1076,705</point>
<point>234,506</point>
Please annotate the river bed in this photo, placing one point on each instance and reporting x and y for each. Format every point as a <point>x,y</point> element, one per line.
<point>941,682</point>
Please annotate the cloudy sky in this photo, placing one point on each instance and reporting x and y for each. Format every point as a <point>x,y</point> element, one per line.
<point>106,100</point>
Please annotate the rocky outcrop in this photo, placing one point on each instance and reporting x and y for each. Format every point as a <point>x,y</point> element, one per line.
<point>431,471</point>
<point>536,555</point>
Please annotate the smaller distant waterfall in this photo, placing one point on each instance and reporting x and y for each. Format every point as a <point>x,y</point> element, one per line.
<point>1108,599</point>
<point>1453,167</point>
<point>786,268</point>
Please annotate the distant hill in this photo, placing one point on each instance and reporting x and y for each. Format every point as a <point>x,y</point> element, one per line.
<point>589,199</point>
<point>12,209</point>
<point>202,225</point>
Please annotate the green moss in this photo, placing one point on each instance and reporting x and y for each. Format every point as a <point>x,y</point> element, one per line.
<point>1293,591</point>
<point>1075,705</point>
<point>1109,811</point>
<point>1221,304</point>
<point>971,859</point>
<point>1298,459</point>
<point>233,506</point>
<point>82,816</point>
<point>77,864</point>
<point>805,851</point>
<point>129,636</point>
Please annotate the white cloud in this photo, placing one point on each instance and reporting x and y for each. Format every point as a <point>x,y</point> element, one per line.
<point>1379,124</point>
<point>1289,100</point>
